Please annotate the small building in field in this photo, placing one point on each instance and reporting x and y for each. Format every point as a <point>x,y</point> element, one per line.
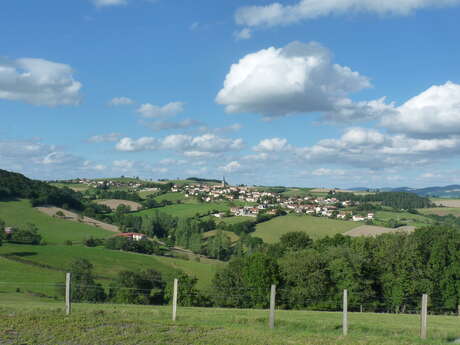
<point>132,236</point>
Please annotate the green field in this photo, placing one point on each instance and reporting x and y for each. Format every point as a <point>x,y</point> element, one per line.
<point>93,324</point>
<point>107,263</point>
<point>16,275</point>
<point>315,227</point>
<point>174,197</point>
<point>187,210</point>
<point>79,187</point>
<point>297,192</point>
<point>53,230</point>
<point>404,217</point>
<point>203,270</point>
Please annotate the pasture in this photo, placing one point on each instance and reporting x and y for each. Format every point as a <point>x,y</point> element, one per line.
<point>174,197</point>
<point>187,210</point>
<point>44,323</point>
<point>78,187</point>
<point>372,231</point>
<point>114,203</point>
<point>315,227</point>
<point>441,211</point>
<point>453,203</point>
<point>407,218</point>
<point>74,217</point>
<point>53,230</point>
<point>108,263</point>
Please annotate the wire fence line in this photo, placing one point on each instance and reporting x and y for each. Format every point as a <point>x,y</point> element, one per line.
<point>273,294</point>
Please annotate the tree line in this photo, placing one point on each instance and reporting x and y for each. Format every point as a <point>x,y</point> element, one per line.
<point>387,273</point>
<point>396,200</point>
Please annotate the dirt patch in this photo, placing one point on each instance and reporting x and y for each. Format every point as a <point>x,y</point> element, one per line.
<point>74,217</point>
<point>372,231</point>
<point>114,203</point>
<point>448,203</point>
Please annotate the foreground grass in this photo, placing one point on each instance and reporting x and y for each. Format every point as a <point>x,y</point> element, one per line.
<point>45,323</point>
<point>53,230</point>
<point>315,227</point>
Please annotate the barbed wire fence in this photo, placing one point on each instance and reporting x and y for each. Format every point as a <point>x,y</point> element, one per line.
<point>272,294</point>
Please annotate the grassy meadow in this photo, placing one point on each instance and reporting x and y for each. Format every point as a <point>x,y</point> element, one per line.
<point>416,220</point>
<point>441,211</point>
<point>107,263</point>
<point>92,324</point>
<point>53,230</point>
<point>315,227</point>
<point>187,210</point>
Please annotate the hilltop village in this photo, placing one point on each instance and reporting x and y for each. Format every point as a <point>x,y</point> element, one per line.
<point>269,202</point>
<point>249,201</point>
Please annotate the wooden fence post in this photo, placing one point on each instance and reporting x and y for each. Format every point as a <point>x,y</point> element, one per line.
<point>345,312</point>
<point>271,321</point>
<point>423,316</point>
<point>68,297</point>
<point>174,300</point>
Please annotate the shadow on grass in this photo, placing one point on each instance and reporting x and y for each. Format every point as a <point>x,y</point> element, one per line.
<point>21,254</point>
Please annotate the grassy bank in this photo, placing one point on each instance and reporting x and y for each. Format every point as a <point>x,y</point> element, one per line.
<point>53,230</point>
<point>44,323</point>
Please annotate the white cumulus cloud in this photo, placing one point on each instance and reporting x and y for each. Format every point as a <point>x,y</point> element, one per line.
<point>272,145</point>
<point>231,167</point>
<point>277,14</point>
<point>299,78</point>
<point>134,145</point>
<point>38,82</point>
<point>434,112</point>
<point>154,111</point>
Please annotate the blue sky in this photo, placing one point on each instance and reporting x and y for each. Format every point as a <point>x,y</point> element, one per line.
<point>338,93</point>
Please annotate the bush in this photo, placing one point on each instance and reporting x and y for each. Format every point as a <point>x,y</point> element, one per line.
<point>27,234</point>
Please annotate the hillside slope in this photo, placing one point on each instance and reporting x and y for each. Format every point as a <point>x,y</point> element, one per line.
<point>53,230</point>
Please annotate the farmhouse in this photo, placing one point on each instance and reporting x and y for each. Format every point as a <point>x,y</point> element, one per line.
<point>132,236</point>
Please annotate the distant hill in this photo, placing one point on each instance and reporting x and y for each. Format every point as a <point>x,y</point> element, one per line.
<point>451,191</point>
<point>15,185</point>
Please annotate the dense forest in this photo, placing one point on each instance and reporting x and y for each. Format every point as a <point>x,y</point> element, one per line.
<point>387,274</point>
<point>14,185</point>
<point>397,200</point>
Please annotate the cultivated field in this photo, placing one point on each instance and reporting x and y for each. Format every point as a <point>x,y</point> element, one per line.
<point>372,231</point>
<point>454,203</point>
<point>53,230</point>
<point>73,217</point>
<point>114,203</point>
<point>315,227</point>
<point>44,323</point>
<point>441,211</point>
